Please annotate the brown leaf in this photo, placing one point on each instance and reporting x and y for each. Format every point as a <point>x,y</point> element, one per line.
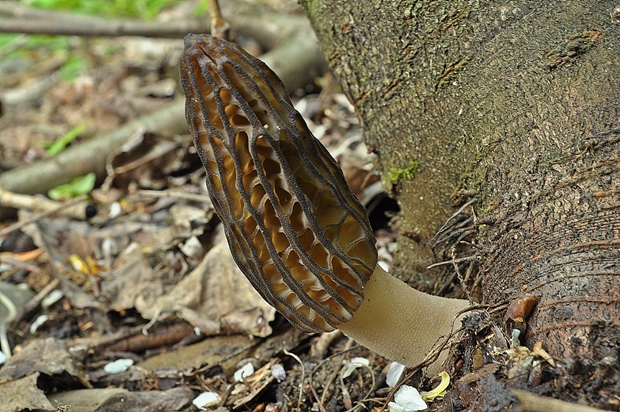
<point>49,356</point>
<point>144,160</point>
<point>24,394</point>
<point>214,290</point>
<point>224,351</point>
<point>114,399</point>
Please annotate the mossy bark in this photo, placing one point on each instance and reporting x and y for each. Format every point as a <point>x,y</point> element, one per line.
<point>516,104</point>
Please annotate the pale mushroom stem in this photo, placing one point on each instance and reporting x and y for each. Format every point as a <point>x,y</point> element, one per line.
<point>401,323</point>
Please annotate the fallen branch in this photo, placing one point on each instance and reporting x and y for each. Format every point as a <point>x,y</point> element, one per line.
<point>35,218</point>
<point>100,27</point>
<point>38,203</point>
<point>91,155</point>
<point>535,403</point>
<point>267,27</point>
<point>39,21</point>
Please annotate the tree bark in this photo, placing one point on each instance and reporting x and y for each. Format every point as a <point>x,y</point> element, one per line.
<point>516,106</point>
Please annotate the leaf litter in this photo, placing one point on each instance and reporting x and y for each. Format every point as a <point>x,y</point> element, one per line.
<point>150,279</point>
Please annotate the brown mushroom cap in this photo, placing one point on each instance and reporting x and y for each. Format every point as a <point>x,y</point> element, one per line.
<point>294,226</point>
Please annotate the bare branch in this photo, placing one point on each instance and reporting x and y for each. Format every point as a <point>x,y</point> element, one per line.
<point>219,26</point>
<point>91,155</point>
<point>100,27</point>
<point>269,28</point>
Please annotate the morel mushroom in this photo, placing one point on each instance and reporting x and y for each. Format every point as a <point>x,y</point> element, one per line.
<point>294,226</point>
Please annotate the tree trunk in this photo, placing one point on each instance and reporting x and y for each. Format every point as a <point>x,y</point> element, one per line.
<point>514,106</point>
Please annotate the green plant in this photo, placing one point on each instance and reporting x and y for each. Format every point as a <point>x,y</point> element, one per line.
<point>60,144</point>
<point>78,186</point>
<point>202,8</point>
<point>72,68</point>
<point>397,175</point>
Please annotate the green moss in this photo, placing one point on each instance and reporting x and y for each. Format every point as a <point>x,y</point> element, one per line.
<point>397,175</point>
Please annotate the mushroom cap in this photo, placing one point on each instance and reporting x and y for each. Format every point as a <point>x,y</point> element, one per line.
<point>294,226</point>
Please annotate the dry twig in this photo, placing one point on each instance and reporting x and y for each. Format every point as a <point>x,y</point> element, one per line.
<point>80,211</point>
<point>42,215</point>
<point>535,403</point>
<point>37,21</point>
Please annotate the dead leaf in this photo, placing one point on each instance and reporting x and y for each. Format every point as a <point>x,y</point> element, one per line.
<point>130,276</point>
<point>24,394</point>
<point>215,289</point>
<point>49,356</point>
<point>114,399</point>
<point>144,160</point>
<point>224,351</point>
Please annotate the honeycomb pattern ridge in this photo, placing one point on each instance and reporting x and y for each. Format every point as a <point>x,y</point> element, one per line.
<point>295,228</point>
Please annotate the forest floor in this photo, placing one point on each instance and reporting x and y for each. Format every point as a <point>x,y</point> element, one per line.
<point>129,299</point>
